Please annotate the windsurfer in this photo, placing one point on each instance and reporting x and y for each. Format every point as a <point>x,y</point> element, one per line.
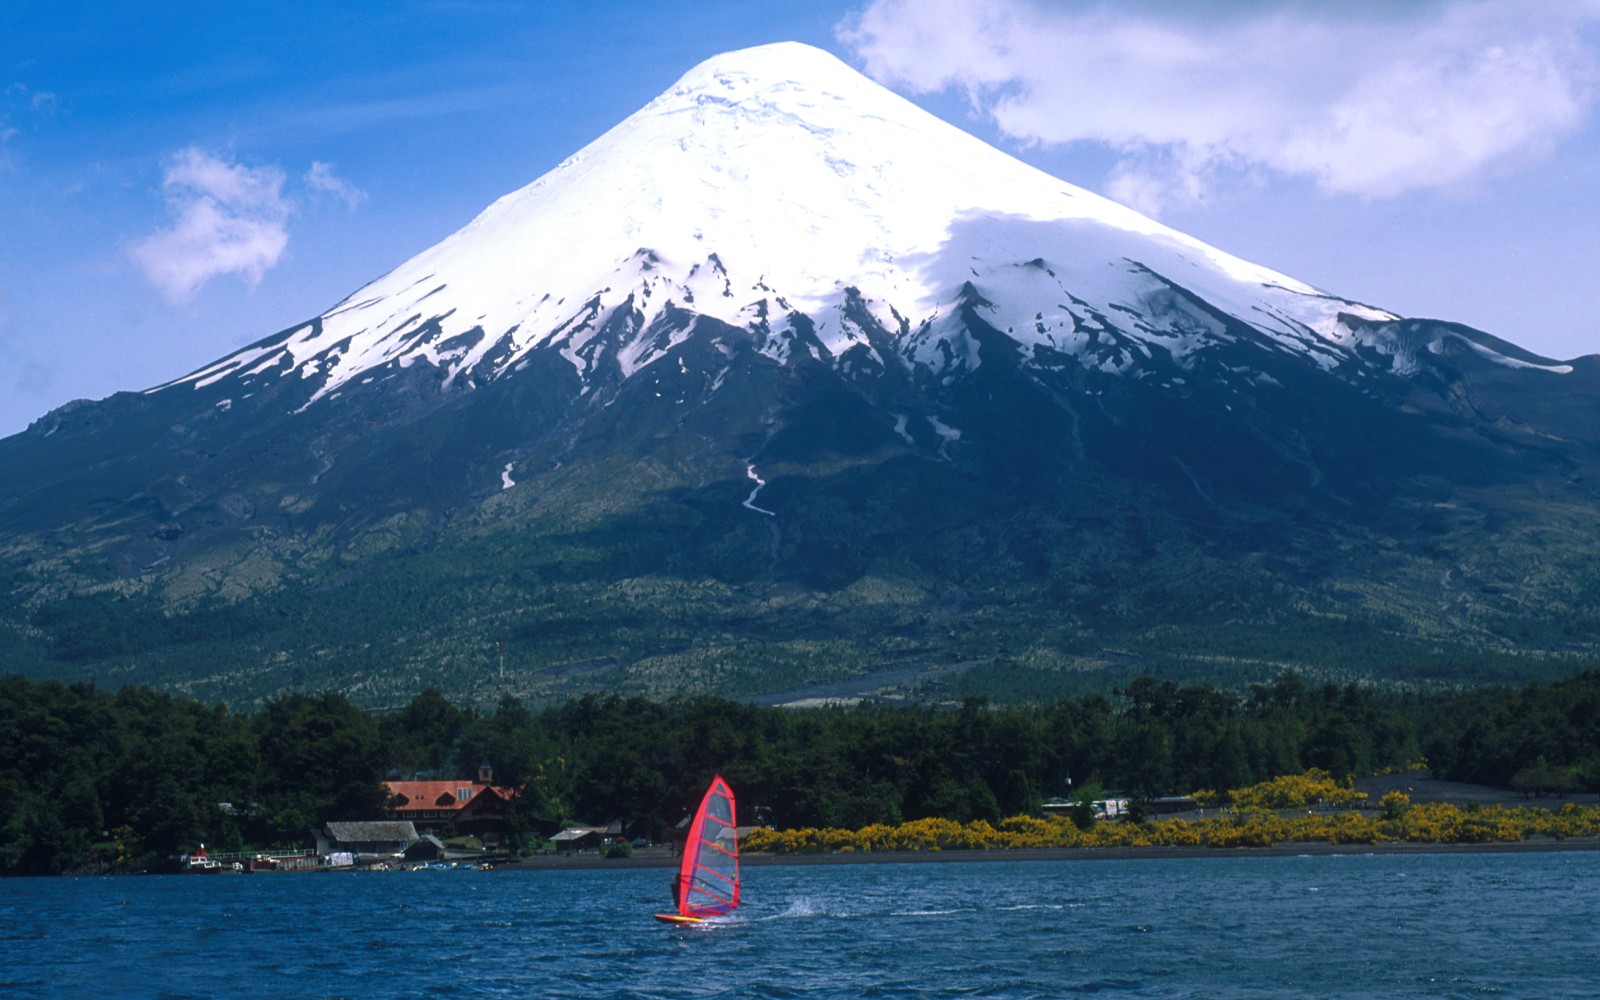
<point>708,879</point>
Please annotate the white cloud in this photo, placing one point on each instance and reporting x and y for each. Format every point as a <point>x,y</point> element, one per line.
<point>8,130</point>
<point>20,105</point>
<point>228,219</point>
<point>322,179</point>
<point>1373,100</point>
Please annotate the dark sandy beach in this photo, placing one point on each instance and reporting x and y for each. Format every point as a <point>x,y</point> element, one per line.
<point>663,858</point>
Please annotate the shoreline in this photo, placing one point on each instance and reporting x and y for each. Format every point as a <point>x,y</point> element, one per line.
<point>551,862</point>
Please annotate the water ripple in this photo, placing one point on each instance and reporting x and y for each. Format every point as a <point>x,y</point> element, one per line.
<point>1467,926</point>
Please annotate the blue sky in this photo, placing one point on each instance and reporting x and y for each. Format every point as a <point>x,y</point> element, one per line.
<point>179,179</point>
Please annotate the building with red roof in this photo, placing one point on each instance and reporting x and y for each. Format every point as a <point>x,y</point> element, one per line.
<point>472,807</point>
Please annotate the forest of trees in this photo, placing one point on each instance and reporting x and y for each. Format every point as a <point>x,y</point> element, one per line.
<point>94,780</point>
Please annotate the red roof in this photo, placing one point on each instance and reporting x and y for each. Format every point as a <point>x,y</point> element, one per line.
<point>431,796</point>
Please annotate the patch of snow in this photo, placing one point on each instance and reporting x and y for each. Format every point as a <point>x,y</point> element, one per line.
<point>750,501</point>
<point>947,436</point>
<point>901,422</point>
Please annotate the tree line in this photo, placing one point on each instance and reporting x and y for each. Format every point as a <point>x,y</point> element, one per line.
<point>93,779</point>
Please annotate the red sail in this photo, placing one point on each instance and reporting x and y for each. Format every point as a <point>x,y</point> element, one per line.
<point>708,880</point>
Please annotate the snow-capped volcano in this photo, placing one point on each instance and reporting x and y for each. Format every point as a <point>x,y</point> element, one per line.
<point>783,379</point>
<point>776,182</point>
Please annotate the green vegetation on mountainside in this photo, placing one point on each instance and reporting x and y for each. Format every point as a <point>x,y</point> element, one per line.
<point>634,581</point>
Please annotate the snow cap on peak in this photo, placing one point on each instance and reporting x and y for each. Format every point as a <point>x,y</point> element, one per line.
<point>777,61</point>
<point>774,179</point>
<point>801,80</point>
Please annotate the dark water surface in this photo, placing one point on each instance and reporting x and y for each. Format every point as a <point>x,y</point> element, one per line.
<point>1482,925</point>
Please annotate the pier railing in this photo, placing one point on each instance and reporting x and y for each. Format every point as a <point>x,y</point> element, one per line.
<point>244,856</point>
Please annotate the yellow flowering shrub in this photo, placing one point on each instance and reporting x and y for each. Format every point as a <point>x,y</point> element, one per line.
<point>1433,822</point>
<point>1393,805</point>
<point>1176,833</point>
<point>1292,791</point>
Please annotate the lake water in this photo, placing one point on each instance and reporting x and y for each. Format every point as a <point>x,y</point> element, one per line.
<point>1501,925</point>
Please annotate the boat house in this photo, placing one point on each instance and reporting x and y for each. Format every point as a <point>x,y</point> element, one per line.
<point>383,838</point>
<point>586,838</point>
